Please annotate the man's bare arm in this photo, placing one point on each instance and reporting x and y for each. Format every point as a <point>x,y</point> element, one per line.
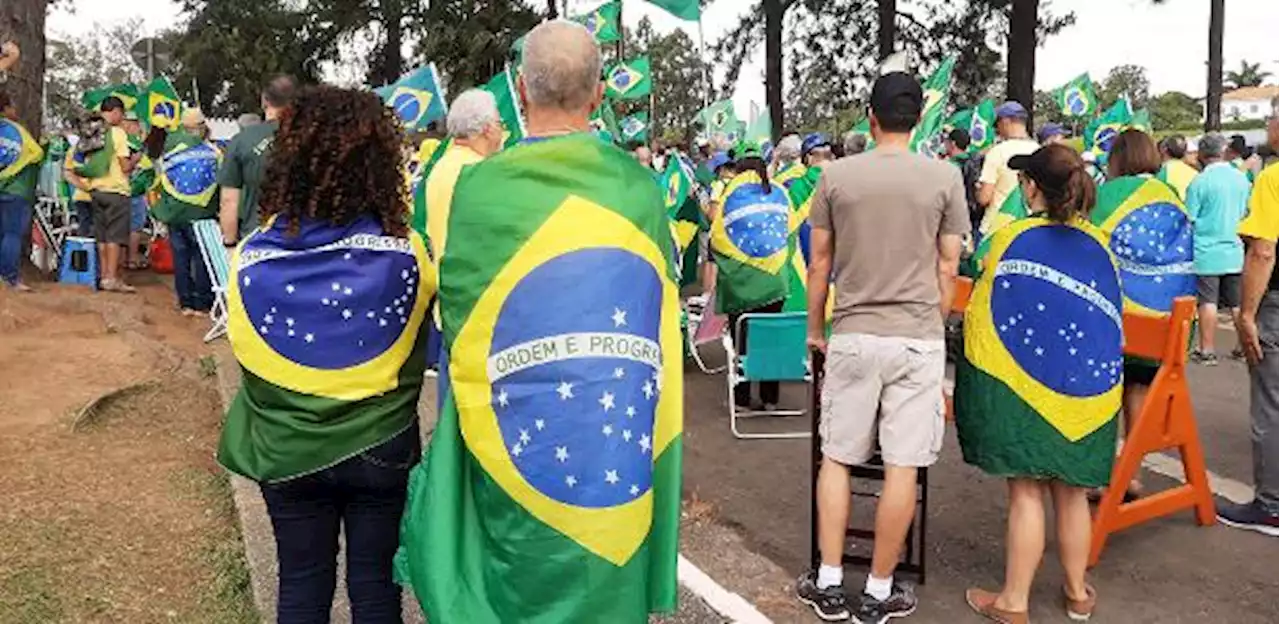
<point>821,248</point>
<point>986,193</point>
<point>229,214</point>
<point>949,246</point>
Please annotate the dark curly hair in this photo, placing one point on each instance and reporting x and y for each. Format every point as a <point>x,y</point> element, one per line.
<point>336,157</point>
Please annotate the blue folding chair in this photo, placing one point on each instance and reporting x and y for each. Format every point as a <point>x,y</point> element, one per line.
<point>776,351</point>
<point>216,261</point>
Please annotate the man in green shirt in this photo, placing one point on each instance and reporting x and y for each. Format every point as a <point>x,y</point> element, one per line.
<point>245,163</point>
<point>17,192</point>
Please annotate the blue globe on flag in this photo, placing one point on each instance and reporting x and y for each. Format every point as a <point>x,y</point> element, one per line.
<point>978,130</point>
<point>621,78</point>
<point>10,145</point>
<point>1052,306</point>
<point>575,393</point>
<point>193,170</point>
<point>1105,138</point>
<point>757,223</point>
<point>592,24</point>
<point>164,110</point>
<point>1077,103</point>
<point>1153,245</point>
<point>408,107</point>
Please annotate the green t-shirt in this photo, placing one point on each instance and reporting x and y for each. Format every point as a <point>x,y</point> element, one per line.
<point>171,210</point>
<point>243,166</point>
<point>23,184</point>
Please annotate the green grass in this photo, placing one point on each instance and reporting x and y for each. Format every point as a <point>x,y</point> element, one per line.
<point>229,598</point>
<point>30,595</point>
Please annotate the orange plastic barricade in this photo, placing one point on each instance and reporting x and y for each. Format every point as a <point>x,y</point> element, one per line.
<point>1166,421</point>
<point>964,289</point>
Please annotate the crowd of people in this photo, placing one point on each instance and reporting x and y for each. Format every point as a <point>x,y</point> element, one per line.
<point>312,200</point>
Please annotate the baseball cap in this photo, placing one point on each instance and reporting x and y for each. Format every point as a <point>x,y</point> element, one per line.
<point>1041,167</point>
<point>718,160</point>
<point>813,141</point>
<point>896,94</point>
<point>1011,109</point>
<point>1050,130</point>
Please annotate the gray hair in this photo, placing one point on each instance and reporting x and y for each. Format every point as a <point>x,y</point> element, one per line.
<point>471,112</point>
<point>248,119</point>
<point>788,148</point>
<point>562,65</point>
<point>854,143</point>
<point>1212,145</point>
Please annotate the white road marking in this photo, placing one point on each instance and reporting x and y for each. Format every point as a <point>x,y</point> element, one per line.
<point>1171,467</point>
<point>732,606</point>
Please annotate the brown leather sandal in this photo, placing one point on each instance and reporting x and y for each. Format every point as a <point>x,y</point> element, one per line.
<point>984,603</point>
<point>1080,610</point>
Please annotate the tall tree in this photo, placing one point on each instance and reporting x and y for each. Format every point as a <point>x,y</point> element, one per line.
<point>1021,61</point>
<point>1249,75</point>
<point>469,39</point>
<point>96,58</point>
<point>1129,81</point>
<point>22,21</point>
<point>773,13</point>
<point>887,16</point>
<point>1213,90</point>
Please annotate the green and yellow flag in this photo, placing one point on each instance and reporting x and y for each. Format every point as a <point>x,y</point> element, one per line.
<point>1038,389</point>
<point>676,184</point>
<point>604,122</point>
<point>1102,132</point>
<point>503,88</point>
<point>926,138</point>
<point>163,108</point>
<point>127,92</point>
<point>718,118</point>
<point>1077,98</point>
<point>554,471</point>
<point>635,127</point>
<point>683,9</point>
<point>602,22</point>
<point>629,79</point>
<point>18,149</point>
<point>1151,234</point>
<point>750,241</point>
<point>982,126</point>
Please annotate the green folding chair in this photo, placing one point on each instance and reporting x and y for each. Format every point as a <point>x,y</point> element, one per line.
<point>776,351</point>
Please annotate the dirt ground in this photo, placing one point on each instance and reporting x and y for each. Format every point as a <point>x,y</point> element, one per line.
<point>118,514</point>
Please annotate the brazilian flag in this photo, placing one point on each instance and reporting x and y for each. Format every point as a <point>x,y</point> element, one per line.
<point>801,193</point>
<point>127,92</point>
<point>1077,98</point>
<point>602,22</point>
<point>143,176</point>
<point>751,244</point>
<point>1101,133</point>
<point>163,108</point>
<point>327,323</point>
<point>18,149</point>
<point>676,184</point>
<point>1038,389</point>
<point>629,79</point>
<point>604,123</point>
<point>418,217</point>
<point>1150,233</point>
<point>189,172</point>
<point>551,489</point>
<point>418,98</point>
<point>789,173</point>
<point>1013,209</point>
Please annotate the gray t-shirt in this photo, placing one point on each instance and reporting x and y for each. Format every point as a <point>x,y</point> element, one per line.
<point>886,210</point>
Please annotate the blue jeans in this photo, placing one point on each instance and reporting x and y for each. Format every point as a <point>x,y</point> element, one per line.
<point>15,224</point>
<point>365,495</point>
<point>190,278</point>
<point>137,213</point>
<point>84,219</point>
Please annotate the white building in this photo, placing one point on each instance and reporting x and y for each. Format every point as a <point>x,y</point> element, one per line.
<point>1248,103</point>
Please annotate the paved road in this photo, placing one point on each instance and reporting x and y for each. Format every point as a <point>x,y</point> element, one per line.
<point>1167,571</point>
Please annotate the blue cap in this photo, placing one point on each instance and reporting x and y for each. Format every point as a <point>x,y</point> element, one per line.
<point>1050,130</point>
<point>718,160</point>
<point>813,141</point>
<point>1011,110</point>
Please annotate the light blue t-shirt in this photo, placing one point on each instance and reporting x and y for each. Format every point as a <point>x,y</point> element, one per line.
<point>1217,200</point>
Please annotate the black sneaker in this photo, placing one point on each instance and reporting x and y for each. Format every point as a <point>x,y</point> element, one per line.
<point>1204,358</point>
<point>900,603</point>
<point>830,604</point>
<point>1249,516</point>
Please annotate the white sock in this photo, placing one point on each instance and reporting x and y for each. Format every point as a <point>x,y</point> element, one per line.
<point>879,588</point>
<point>830,576</point>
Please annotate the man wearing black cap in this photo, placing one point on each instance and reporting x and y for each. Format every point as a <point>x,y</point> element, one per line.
<point>998,181</point>
<point>887,229</point>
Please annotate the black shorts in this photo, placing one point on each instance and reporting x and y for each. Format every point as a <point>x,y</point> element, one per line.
<point>110,217</point>
<point>1220,290</point>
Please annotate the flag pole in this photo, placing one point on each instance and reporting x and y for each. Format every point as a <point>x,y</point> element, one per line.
<point>622,33</point>
<point>702,57</point>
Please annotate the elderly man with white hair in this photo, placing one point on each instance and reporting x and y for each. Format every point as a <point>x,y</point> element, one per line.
<point>786,160</point>
<point>475,131</point>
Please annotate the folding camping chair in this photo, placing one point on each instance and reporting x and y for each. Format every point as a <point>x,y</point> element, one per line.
<point>704,327</point>
<point>214,253</point>
<point>775,351</point>
<point>52,225</point>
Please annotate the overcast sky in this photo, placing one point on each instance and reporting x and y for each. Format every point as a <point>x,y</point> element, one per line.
<point>1171,41</point>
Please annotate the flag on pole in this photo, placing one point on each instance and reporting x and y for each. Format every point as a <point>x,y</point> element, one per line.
<point>676,184</point>
<point>926,138</point>
<point>1141,120</point>
<point>718,118</point>
<point>602,22</point>
<point>629,79</point>
<point>128,94</point>
<point>163,107</point>
<point>760,129</point>
<point>554,470</point>
<point>418,98</point>
<point>1102,132</point>
<point>1077,98</point>
<point>503,88</point>
<point>683,9</point>
<point>982,126</point>
<point>635,127</point>
<point>604,122</point>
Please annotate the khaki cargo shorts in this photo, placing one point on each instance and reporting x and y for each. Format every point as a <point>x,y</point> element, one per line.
<point>886,388</point>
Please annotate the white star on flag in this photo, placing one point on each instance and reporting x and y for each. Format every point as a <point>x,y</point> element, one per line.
<point>645,442</point>
<point>607,430</point>
<point>346,314</point>
<point>309,338</point>
<point>288,288</point>
<point>611,476</point>
<point>346,291</point>
<point>631,411</point>
<point>570,480</point>
<point>565,390</point>
<point>618,373</point>
<point>336,286</point>
<point>606,401</point>
<point>517,449</point>
<point>289,322</point>
<point>246,280</point>
<point>635,489</point>
<point>524,436</point>
<point>647,388</point>
<point>619,317</point>
<point>626,435</point>
<point>539,424</point>
<point>502,398</point>
<point>562,454</point>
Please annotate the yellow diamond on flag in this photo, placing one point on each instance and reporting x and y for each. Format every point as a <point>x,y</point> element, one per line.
<point>623,78</point>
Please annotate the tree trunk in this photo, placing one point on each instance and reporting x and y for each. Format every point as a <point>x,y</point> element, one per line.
<point>552,10</point>
<point>1213,90</point>
<point>22,21</point>
<point>1022,54</point>
<point>393,22</point>
<point>888,12</point>
<point>773,12</point>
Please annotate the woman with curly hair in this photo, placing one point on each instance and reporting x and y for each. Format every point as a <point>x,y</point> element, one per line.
<point>326,309</point>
